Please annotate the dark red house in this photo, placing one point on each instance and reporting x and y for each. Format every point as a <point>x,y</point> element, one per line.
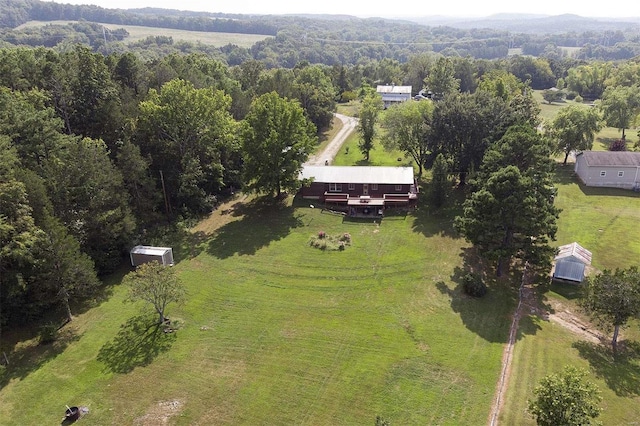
<point>359,190</point>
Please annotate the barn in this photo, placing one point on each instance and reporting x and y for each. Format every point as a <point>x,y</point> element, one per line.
<point>144,254</point>
<point>392,95</point>
<point>571,262</point>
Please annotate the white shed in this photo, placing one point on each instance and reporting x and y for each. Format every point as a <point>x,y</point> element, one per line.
<point>571,262</point>
<point>144,254</point>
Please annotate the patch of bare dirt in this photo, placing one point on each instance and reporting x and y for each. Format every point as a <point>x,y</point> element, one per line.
<point>160,413</point>
<point>573,323</point>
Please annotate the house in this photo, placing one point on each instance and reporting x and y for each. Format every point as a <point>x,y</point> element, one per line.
<point>613,169</point>
<point>361,191</point>
<point>394,94</point>
<point>144,254</point>
<point>571,262</point>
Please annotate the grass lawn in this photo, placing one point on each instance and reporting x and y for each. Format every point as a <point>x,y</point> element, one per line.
<point>137,33</point>
<point>605,222</point>
<point>278,332</point>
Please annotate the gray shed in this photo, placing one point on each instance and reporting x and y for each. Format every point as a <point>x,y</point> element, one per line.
<point>569,271</point>
<point>144,254</point>
<point>571,262</point>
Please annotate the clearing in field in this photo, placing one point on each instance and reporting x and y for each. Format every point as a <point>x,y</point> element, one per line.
<point>137,33</point>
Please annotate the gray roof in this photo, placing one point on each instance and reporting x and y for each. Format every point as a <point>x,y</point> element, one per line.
<point>149,250</point>
<point>612,158</point>
<point>576,252</point>
<point>567,270</point>
<point>359,174</point>
<point>393,89</point>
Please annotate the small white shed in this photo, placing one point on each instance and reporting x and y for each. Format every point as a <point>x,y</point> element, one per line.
<point>144,254</point>
<point>571,262</point>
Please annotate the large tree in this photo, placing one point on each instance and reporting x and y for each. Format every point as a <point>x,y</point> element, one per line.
<point>441,79</point>
<point>510,216</point>
<point>184,131</point>
<point>157,285</point>
<point>574,129</point>
<point>613,298</point>
<point>565,399</point>
<point>277,139</point>
<point>408,128</point>
<point>620,106</point>
<point>88,195</point>
<point>368,115</point>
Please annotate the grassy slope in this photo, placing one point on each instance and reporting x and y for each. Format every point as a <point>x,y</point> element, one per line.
<point>278,332</point>
<point>137,33</point>
<point>605,222</point>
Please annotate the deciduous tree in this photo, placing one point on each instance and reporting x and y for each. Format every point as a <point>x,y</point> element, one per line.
<point>574,128</point>
<point>620,106</point>
<point>408,127</point>
<point>613,298</point>
<point>368,115</point>
<point>157,285</point>
<point>565,399</point>
<point>277,139</point>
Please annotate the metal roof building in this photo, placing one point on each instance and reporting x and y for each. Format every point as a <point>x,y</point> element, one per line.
<point>571,262</point>
<point>359,174</point>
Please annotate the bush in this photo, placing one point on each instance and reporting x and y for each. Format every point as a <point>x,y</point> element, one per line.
<point>571,95</point>
<point>618,145</point>
<point>578,99</point>
<point>48,333</point>
<point>473,285</point>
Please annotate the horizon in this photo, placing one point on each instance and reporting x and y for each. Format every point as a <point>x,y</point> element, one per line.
<point>463,10</point>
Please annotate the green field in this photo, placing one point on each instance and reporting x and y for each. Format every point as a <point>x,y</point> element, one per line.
<point>137,33</point>
<point>605,221</point>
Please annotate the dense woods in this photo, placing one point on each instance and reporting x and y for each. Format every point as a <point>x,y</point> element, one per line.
<point>100,145</point>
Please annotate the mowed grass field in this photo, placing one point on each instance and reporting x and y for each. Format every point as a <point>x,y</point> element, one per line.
<point>605,221</point>
<point>137,33</point>
<point>277,332</point>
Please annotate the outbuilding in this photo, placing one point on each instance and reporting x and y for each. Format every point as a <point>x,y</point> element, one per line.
<point>571,263</point>
<point>392,95</point>
<point>144,254</point>
<point>612,169</point>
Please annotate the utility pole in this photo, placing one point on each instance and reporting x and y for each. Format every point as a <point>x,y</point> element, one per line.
<point>167,206</point>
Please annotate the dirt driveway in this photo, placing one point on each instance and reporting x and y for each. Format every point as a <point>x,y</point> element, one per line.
<point>331,150</point>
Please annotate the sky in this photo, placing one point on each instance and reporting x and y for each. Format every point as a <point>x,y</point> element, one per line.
<point>466,8</point>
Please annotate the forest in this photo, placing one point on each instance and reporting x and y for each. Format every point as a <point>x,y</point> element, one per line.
<point>99,150</point>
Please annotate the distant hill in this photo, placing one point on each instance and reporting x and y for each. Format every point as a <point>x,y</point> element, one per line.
<point>533,24</point>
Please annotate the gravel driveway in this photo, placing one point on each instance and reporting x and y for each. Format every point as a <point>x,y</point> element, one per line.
<point>329,153</point>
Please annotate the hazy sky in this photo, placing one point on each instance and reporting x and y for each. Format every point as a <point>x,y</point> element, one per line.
<point>612,8</point>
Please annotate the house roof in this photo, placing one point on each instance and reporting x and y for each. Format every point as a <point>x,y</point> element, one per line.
<point>393,89</point>
<point>574,251</point>
<point>611,158</point>
<point>150,251</point>
<point>568,270</point>
<point>359,174</point>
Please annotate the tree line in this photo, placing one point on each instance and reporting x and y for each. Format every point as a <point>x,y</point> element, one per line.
<point>97,148</point>
<point>321,40</point>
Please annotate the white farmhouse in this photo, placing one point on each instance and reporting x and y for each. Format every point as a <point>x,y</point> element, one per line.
<point>394,94</point>
<point>613,169</point>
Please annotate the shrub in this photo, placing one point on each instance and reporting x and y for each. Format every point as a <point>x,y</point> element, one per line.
<point>473,285</point>
<point>618,145</point>
<point>348,96</point>
<point>571,95</point>
<point>578,99</point>
<point>48,333</point>
<point>322,234</point>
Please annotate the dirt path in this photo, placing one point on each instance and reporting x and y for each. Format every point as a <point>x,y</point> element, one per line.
<point>528,305</point>
<point>331,150</point>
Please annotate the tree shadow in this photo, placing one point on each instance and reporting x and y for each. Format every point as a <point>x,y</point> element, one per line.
<point>490,316</point>
<point>430,220</point>
<point>264,220</point>
<point>565,175</point>
<point>140,340</point>
<point>26,357</point>
<point>621,371</point>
